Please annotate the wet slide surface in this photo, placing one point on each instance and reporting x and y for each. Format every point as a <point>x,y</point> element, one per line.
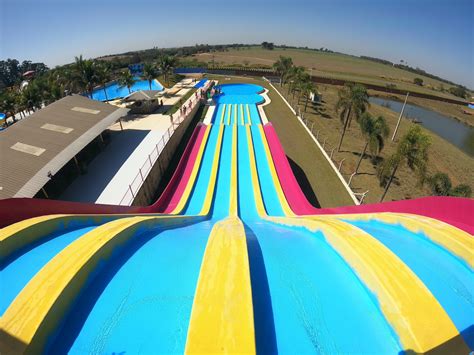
<point>237,260</point>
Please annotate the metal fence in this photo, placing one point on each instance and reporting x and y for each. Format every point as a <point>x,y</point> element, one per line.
<point>135,185</point>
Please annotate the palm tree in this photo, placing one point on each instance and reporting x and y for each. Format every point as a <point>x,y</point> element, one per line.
<point>149,73</point>
<point>126,79</point>
<point>412,149</point>
<point>86,74</point>
<point>353,101</point>
<point>374,130</point>
<point>294,75</point>
<point>282,66</point>
<point>104,75</point>
<point>166,65</point>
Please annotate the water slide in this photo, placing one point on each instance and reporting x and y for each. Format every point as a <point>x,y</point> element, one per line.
<point>232,257</point>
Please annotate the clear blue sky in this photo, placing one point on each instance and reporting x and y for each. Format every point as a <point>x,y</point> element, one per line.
<point>436,35</point>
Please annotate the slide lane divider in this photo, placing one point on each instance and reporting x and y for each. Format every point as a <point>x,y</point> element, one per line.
<point>229,113</point>
<point>454,240</point>
<point>37,312</point>
<point>206,207</point>
<point>233,200</point>
<point>223,114</point>
<point>222,318</point>
<point>249,119</point>
<point>242,120</point>
<point>192,178</point>
<point>418,319</point>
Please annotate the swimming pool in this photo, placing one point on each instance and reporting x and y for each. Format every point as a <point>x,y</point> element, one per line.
<point>114,91</point>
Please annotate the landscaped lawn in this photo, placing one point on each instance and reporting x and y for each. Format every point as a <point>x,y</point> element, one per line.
<point>318,180</point>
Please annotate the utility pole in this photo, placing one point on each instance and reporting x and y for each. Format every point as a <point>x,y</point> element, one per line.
<point>400,117</point>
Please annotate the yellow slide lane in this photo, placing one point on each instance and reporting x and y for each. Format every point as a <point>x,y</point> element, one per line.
<point>37,311</point>
<point>223,114</point>
<point>257,193</point>
<point>206,207</point>
<point>229,112</point>
<point>242,120</point>
<point>222,315</point>
<point>233,209</point>
<point>249,119</point>
<point>419,320</point>
<point>197,164</point>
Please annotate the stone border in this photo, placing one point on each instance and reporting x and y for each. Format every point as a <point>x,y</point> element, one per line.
<point>351,193</point>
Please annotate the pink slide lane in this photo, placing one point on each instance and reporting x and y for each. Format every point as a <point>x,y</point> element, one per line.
<point>170,197</point>
<point>13,210</point>
<point>456,211</point>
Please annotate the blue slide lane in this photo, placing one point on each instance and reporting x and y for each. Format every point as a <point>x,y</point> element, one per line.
<point>18,272</point>
<point>319,305</point>
<point>153,278</point>
<point>221,203</point>
<point>269,194</point>
<point>254,115</point>
<point>217,114</point>
<point>247,207</point>
<point>452,284</point>
<point>198,194</point>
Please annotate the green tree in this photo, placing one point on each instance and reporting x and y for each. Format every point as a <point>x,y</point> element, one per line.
<point>85,74</point>
<point>149,73</point>
<point>352,103</point>
<point>459,91</point>
<point>440,184</point>
<point>375,131</point>
<point>282,67</point>
<point>166,64</point>
<point>295,76</point>
<point>307,87</point>
<point>412,149</point>
<point>418,81</point>
<point>104,75</point>
<point>462,190</point>
<point>126,79</point>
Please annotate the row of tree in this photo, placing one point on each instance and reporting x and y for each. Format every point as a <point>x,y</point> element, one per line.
<point>11,71</point>
<point>352,105</point>
<point>82,77</point>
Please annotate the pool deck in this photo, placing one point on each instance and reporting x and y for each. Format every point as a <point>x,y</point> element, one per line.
<point>111,172</point>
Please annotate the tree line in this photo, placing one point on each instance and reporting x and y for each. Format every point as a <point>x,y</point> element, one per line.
<point>352,104</point>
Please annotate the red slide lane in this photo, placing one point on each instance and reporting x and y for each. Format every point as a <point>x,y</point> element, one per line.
<point>13,210</point>
<point>458,212</point>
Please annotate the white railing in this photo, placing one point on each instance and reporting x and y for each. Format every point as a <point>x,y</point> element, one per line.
<point>135,185</point>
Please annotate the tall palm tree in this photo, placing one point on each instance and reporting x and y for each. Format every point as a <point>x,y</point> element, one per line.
<point>375,131</point>
<point>282,66</point>
<point>166,64</point>
<point>149,73</point>
<point>104,75</point>
<point>412,149</point>
<point>86,74</point>
<point>126,79</point>
<point>294,76</point>
<point>353,101</point>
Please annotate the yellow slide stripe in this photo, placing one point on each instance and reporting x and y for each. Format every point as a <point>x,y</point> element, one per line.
<point>206,207</point>
<point>233,175</point>
<point>253,172</point>
<point>37,311</point>
<point>409,307</point>
<point>223,113</point>
<point>18,235</point>
<point>455,240</point>
<point>197,164</point>
<point>236,114</point>
<point>222,315</point>
<point>276,181</point>
<point>229,112</point>
<point>249,118</point>
<point>242,114</point>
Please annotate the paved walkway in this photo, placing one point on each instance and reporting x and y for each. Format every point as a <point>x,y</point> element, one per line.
<point>118,166</point>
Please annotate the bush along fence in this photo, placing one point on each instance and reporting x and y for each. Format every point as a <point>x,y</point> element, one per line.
<point>162,152</point>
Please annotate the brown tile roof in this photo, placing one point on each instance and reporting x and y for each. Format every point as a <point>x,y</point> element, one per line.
<point>45,141</point>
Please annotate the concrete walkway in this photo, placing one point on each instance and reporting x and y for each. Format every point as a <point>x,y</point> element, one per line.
<point>118,166</point>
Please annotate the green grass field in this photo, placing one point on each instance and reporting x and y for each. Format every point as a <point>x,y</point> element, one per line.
<point>331,65</point>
